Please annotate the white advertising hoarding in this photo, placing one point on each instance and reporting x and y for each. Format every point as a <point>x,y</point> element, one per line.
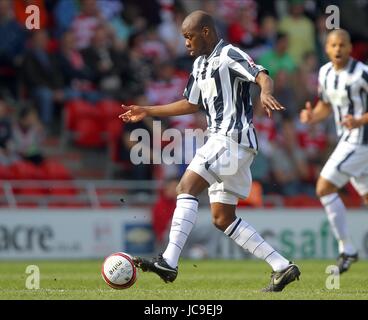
<point>71,234</point>
<point>85,234</point>
<point>299,233</point>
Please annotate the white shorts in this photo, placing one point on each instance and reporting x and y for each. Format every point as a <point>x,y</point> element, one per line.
<point>225,165</point>
<point>348,162</point>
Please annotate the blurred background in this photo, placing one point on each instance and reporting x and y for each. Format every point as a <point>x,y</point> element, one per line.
<point>65,156</point>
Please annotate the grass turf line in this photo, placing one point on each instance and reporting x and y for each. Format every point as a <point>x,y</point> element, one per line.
<point>197,280</point>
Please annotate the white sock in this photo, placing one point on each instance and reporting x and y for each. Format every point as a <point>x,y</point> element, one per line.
<point>248,238</point>
<point>184,218</point>
<point>336,215</point>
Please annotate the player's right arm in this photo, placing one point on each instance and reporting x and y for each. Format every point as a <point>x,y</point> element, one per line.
<point>135,113</point>
<point>320,112</point>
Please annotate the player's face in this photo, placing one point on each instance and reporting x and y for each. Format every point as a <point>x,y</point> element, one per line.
<point>338,49</point>
<point>194,42</point>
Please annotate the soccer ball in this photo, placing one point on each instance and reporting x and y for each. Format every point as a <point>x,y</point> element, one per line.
<point>119,271</point>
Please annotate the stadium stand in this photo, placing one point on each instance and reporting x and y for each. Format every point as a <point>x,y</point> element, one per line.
<point>127,55</point>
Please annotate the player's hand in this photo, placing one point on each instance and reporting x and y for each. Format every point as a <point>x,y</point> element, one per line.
<point>306,115</point>
<point>350,122</point>
<point>269,103</point>
<point>132,113</point>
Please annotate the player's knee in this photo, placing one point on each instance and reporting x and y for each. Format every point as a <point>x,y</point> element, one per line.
<point>324,188</point>
<point>179,189</point>
<point>320,192</point>
<point>221,222</point>
<point>183,187</point>
<point>365,199</point>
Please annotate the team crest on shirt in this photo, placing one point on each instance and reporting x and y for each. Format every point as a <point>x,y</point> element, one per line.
<point>215,63</point>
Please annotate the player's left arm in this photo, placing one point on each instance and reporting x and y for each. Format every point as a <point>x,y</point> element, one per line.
<point>349,121</point>
<point>268,101</point>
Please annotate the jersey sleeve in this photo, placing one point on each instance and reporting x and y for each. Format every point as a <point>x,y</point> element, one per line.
<point>365,79</point>
<point>321,89</point>
<point>243,65</point>
<point>192,92</point>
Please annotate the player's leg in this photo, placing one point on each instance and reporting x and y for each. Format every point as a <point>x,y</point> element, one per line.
<point>184,218</point>
<point>334,175</point>
<point>224,218</point>
<point>245,235</point>
<point>196,178</point>
<point>185,214</point>
<point>336,214</point>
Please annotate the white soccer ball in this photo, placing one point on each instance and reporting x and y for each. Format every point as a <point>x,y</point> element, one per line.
<point>119,271</point>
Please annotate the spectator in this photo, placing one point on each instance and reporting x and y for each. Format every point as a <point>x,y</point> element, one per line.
<point>85,24</point>
<point>142,67</point>
<point>244,31</point>
<point>211,7</point>
<point>7,154</point>
<point>153,48</point>
<point>170,32</point>
<point>105,62</point>
<point>167,86</point>
<point>139,152</point>
<point>268,31</point>
<point>41,76</point>
<point>11,48</point>
<point>278,59</point>
<point>28,136</point>
<point>300,31</point>
<point>308,75</point>
<point>77,77</point>
<point>321,37</point>
<point>64,14</point>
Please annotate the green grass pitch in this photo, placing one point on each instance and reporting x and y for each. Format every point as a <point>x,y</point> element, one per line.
<point>197,280</point>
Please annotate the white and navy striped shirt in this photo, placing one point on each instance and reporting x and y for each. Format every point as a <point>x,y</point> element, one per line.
<point>346,90</point>
<point>220,83</point>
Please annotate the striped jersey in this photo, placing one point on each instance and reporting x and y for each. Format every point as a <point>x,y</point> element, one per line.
<point>346,90</point>
<point>220,83</point>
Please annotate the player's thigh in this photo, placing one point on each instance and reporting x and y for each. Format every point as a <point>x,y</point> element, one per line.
<point>230,188</point>
<point>191,183</point>
<point>337,171</point>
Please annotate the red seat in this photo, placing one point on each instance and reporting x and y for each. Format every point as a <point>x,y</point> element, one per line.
<point>89,133</point>
<point>6,173</point>
<point>30,191</point>
<point>114,129</point>
<point>55,170</point>
<point>76,110</point>
<point>109,109</point>
<point>25,170</point>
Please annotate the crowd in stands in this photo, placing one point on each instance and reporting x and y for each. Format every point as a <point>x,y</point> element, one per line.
<point>90,56</point>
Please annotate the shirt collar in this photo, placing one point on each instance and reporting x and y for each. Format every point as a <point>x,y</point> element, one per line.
<point>346,68</point>
<point>215,49</point>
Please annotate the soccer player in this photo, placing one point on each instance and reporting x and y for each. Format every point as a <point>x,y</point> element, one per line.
<point>219,83</point>
<point>343,87</point>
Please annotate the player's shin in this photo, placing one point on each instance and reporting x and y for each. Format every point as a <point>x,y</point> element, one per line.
<point>184,218</point>
<point>249,239</point>
<point>336,214</point>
